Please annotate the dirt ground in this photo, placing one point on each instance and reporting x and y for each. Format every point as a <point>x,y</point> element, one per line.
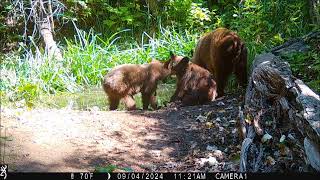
<point>195,138</point>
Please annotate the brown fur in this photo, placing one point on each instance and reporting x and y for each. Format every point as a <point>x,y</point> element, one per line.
<point>195,85</point>
<point>222,52</point>
<point>124,81</point>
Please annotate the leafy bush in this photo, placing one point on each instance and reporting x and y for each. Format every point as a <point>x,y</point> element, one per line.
<point>306,66</point>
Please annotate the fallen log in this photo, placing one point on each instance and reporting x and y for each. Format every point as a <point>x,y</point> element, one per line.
<point>278,105</point>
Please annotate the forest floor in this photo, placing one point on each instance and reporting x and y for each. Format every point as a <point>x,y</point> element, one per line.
<point>194,138</point>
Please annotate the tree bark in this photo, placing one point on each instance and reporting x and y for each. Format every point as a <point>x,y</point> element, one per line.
<point>51,46</point>
<point>46,31</point>
<point>274,92</point>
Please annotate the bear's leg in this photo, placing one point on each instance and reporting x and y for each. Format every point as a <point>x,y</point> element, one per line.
<point>146,97</point>
<point>129,102</point>
<point>221,83</point>
<point>222,74</point>
<point>178,94</point>
<point>153,102</point>
<point>114,102</point>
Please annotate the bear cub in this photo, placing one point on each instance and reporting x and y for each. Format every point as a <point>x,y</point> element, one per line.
<point>195,85</point>
<point>124,81</point>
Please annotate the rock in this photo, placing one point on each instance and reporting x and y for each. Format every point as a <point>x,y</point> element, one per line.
<point>235,130</point>
<point>218,154</point>
<point>212,148</point>
<point>212,161</point>
<point>270,161</point>
<point>226,150</point>
<point>201,118</point>
<point>229,108</point>
<point>266,138</point>
<point>233,122</point>
<point>220,103</point>
<point>283,137</point>
<point>150,167</point>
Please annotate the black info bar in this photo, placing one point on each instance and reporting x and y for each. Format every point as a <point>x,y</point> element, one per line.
<point>154,175</point>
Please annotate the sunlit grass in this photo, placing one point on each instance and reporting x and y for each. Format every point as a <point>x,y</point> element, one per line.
<point>95,97</point>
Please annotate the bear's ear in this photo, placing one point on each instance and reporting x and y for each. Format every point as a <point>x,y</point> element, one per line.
<point>185,60</point>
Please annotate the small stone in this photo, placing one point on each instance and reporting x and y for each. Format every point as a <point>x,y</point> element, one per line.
<point>283,137</point>
<point>233,122</point>
<point>234,130</point>
<point>218,154</point>
<point>220,103</point>
<point>212,161</point>
<point>212,148</point>
<point>201,118</point>
<point>270,161</point>
<point>266,138</point>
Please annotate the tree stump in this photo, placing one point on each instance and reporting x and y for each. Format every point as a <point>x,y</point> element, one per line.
<point>276,102</point>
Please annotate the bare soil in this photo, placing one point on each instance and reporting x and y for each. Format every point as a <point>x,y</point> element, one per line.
<point>169,139</point>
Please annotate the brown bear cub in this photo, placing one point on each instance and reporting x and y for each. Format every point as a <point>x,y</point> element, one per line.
<point>195,85</point>
<point>222,52</point>
<point>124,81</point>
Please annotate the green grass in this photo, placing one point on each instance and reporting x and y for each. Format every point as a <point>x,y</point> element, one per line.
<point>87,58</point>
<point>95,97</point>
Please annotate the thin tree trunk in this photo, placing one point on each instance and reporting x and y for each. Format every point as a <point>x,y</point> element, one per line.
<point>51,45</point>
<point>46,33</point>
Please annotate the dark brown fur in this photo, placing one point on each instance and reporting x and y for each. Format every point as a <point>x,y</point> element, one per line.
<point>124,81</point>
<point>222,52</point>
<point>195,85</point>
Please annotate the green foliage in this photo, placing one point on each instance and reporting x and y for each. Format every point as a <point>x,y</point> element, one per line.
<point>118,32</point>
<point>306,66</point>
<point>86,60</point>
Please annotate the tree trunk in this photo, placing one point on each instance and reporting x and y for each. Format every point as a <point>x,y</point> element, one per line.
<point>275,102</point>
<point>46,30</point>
<point>51,46</point>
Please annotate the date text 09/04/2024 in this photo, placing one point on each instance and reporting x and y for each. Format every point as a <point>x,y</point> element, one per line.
<point>177,176</point>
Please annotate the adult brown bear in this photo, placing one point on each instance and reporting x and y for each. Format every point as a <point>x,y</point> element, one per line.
<point>222,52</point>
<point>124,81</point>
<point>195,85</point>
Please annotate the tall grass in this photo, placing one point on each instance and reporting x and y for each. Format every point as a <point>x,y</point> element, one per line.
<point>86,60</point>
